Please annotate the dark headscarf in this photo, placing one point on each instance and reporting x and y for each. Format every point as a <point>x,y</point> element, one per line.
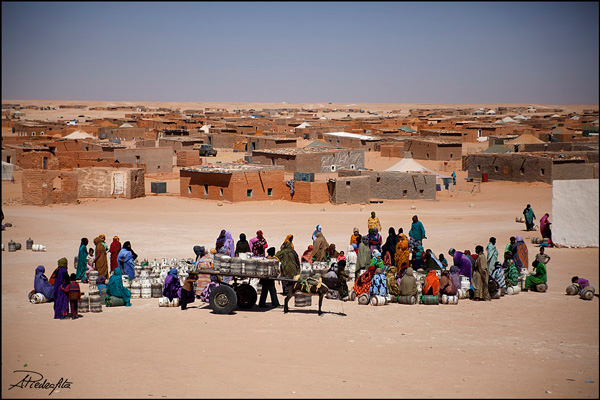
<point>127,246</point>
<point>84,241</point>
<point>271,251</point>
<point>390,244</point>
<point>242,246</point>
<point>41,284</point>
<point>101,280</point>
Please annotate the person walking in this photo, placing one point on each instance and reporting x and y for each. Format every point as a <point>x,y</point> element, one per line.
<point>529,217</point>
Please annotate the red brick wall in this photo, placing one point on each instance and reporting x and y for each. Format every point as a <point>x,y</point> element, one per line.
<point>35,160</point>
<point>310,192</point>
<point>186,158</point>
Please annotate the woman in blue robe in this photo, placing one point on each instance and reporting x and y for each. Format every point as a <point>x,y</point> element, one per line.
<point>115,287</point>
<point>41,284</point>
<point>61,300</point>
<point>126,260</point>
<point>172,287</point>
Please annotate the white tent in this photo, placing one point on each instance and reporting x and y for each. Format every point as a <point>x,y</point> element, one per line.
<point>126,125</point>
<point>408,164</point>
<point>520,117</point>
<point>78,135</point>
<point>7,171</point>
<point>303,125</point>
<point>205,128</point>
<point>508,120</point>
<point>491,112</point>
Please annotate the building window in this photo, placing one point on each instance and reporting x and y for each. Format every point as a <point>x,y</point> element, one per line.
<point>189,190</point>
<point>220,192</point>
<point>378,179</point>
<point>422,192</point>
<point>404,193</point>
<point>45,163</point>
<point>333,168</point>
<point>8,159</point>
<point>451,156</point>
<point>522,171</point>
<point>542,171</point>
<point>205,189</point>
<point>269,191</point>
<point>249,193</point>
<point>347,183</point>
<point>352,166</point>
<point>479,168</point>
<point>496,168</point>
<point>427,155</point>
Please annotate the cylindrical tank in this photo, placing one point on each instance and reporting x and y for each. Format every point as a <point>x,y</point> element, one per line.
<point>136,289</point>
<point>363,299</point>
<point>301,300</point>
<point>17,246</point>
<point>496,295</point>
<point>174,302</point>
<point>519,219</point>
<point>38,298</point>
<point>93,277</point>
<point>83,304</point>
<point>29,244</point>
<point>587,293</point>
<point>95,301</point>
<point>392,299</point>
<point>113,301</point>
<point>225,264</point>
<point>352,295</point>
<point>407,300</point>
<point>465,282</point>
<point>541,287</point>
<point>262,267</point>
<point>11,246</point>
<point>236,265</point>
<point>217,262</point>
<point>163,302</point>
<point>429,299</point>
<point>146,289</point>
<point>378,300</point>
<point>536,240</point>
<point>250,265</point>
<point>156,289</point>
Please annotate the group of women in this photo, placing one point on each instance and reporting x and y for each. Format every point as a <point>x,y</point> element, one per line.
<point>120,257</point>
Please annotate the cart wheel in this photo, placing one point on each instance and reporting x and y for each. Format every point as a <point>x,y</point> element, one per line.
<point>246,296</point>
<point>223,299</point>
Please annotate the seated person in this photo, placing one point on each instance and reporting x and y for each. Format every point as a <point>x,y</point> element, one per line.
<point>408,283</point>
<point>172,287</point>
<point>432,284</point>
<point>447,285</point>
<point>378,284</point>
<point>540,275</point>
<point>41,284</point>
<point>581,282</point>
<point>511,274</point>
<point>115,287</point>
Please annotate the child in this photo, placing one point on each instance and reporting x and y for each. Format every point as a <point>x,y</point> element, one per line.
<point>73,292</point>
<point>187,291</point>
<point>542,257</point>
<point>90,264</point>
<point>580,281</point>
<point>443,261</point>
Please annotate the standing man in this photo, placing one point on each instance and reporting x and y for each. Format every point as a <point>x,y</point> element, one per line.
<point>453,178</point>
<point>480,276</point>
<point>529,217</point>
<point>416,233</point>
<point>492,255</point>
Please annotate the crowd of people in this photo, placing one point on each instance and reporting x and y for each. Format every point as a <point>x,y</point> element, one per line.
<point>375,266</point>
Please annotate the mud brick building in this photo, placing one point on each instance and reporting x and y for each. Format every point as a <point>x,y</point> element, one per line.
<point>44,187</point>
<point>313,159</point>
<point>395,185</point>
<point>110,182</point>
<point>348,140</point>
<point>156,159</point>
<point>233,182</point>
<point>187,158</point>
<point>180,143</point>
<point>530,167</point>
<point>433,149</point>
<point>392,149</point>
<point>122,133</point>
<point>349,189</point>
<point>266,142</point>
<point>310,192</point>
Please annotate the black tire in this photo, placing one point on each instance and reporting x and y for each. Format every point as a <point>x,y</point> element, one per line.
<point>223,299</point>
<point>246,296</point>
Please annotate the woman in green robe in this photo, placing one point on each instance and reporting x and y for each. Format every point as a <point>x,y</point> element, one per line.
<point>82,260</point>
<point>363,257</point>
<point>540,276</point>
<point>511,274</point>
<point>290,264</point>
<point>116,288</point>
<point>529,217</point>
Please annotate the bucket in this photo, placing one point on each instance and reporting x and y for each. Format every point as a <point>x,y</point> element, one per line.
<point>378,300</point>
<point>363,299</point>
<point>113,301</point>
<point>587,293</point>
<point>407,300</point>
<point>541,287</point>
<point>429,299</point>
<point>301,300</point>
<point>484,177</point>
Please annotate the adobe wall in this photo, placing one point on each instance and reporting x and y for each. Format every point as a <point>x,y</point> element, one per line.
<point>186,158</point>
<point>514,167</point>
<point>145,143</point>
<point>35,160</point>
<point>157,159</point>
<point>288,161</point>
<point>98,182</point>
<point>401,185</point>
<point>392,150</point>
<point>571,171</point>
<point>310,192</point>
<point>223,140</point>
<point>9,155</point>
<point>350,190</point>
<point>234,186</point>
<point>425,150</point>
<point>352,159</point>
<point>123,133</point>
<point>43,187</point>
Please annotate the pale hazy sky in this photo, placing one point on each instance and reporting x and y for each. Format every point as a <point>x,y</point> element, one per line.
<point>424,52</point>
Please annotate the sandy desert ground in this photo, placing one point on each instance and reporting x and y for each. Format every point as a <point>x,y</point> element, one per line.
<point>531,345</point>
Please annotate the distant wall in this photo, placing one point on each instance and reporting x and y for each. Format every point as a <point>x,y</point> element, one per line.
<point>43,187</point>
<point>575,212</point>
<point>350,189</point>
<point>102,182</point>
<point>157,159</point>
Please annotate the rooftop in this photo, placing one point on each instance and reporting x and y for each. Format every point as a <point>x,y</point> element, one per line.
<point>231,168</point>
<point>304,150</point>
<point>351,135</point>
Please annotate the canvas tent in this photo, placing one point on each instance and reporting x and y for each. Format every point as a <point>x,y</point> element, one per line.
<point>408,164</point>
<point>78,135</point>
<point>126,125</point>
<point>7,171</point>
<point>524,138</point>
<point>303,125</point>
